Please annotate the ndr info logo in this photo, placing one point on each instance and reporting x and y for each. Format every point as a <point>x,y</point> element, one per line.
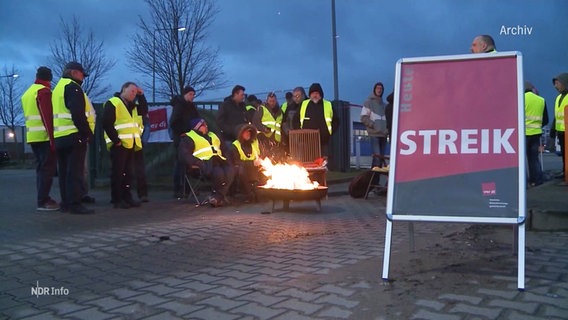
<point>49,291</point>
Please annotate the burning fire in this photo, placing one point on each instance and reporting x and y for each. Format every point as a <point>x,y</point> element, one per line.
<point>286,176</point>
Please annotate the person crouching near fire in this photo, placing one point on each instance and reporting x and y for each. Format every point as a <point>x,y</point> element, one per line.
<point>202,148</point>
<point>245,156</point>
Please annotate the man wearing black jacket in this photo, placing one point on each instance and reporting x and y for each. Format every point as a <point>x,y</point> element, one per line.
<point>232,115</point>
<point>184,111</point>
<point>73,126</point>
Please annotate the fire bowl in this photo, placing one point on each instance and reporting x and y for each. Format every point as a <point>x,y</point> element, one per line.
<point>287,195</point>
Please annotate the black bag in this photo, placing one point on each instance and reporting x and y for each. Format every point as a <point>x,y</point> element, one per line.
<point>359,184</point>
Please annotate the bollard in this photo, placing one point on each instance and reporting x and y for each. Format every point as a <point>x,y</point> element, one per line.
<point>358,153</point>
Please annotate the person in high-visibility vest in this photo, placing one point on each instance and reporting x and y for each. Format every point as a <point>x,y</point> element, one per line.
<point>123,137</point>
<point>288,98</point>
<point>536,116</point>
<point>245,156</point>
<point>203,148</point>
<point>558,127</point>
<point>38,113</point>
<point>483,44</point>
<point>251,105</point>
<point>317,113</point>
<point>268,122</point>
<point>73,127</point>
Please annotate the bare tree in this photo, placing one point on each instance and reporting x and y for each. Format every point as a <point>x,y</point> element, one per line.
<point>171,47</point>
<point>74,45</point>
<point>11,112</point>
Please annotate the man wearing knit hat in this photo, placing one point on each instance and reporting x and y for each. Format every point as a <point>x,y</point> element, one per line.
<point>558,128</point>
<point>317,113</point>
<point>202,148</point>
<point>38,112</point>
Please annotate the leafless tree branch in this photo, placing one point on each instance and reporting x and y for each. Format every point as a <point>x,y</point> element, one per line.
<point>11,113</point>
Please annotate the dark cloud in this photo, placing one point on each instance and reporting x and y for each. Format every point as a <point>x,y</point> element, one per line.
<point>273,44</point>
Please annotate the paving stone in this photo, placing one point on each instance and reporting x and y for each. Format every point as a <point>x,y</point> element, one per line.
<point>515,315</point>
<point>337,300</point>
<point>432,304</point>
<point>335,312</point>
<point>515,305</point>
<point>263,299</point>
<point>295,304</point>
<point>229,292</point>
<point>179,309</point>
<point>212,313</point>
<point>161,316</point>
<point>21,311</point>
<point>258,311</point>
<point>233,283</point>
<point>557,302</point>
<point>184,294</point>
<point>551,311</point>
<point>67,307</point>
<point>42,316</point>
<point>108,303</point>
<point>491,313</point>
<point>161,289</point>
<point>91,314</point>
<point>148,299</point>
<point>458,297</point>
<point>302,295</point>
<point>429,315</point>
<point>205,278</point>
<point>221,303</point>
<point>292,315</point>
<point>361,285</point>
<point>172,281</point>
<point>238,275</point>
<point>329,288</point>
<point>124,293</point>
<point>134,311</point>
<point>507,294</point>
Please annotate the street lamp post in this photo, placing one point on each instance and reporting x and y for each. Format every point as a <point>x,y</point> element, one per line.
<point>334,38</point>
<point>180,29</point>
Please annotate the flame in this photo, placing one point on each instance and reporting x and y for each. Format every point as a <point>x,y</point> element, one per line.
<point>286,176</point>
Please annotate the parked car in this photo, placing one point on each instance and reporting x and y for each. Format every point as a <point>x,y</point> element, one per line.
<point>4,156</point>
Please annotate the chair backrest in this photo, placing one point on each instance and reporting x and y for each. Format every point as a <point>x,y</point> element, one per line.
<point>304,144</point>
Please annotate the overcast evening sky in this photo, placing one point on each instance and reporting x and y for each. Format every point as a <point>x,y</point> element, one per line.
<point>280,44</point>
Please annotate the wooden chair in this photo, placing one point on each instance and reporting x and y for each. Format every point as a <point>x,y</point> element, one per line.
<point>377,173</point>
<point>305,148</point>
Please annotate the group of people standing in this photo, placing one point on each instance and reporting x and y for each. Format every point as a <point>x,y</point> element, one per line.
<point>61,123</point>
<point>249,129</point>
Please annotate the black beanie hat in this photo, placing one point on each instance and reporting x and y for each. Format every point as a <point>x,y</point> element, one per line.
<point>187,89</point>
<point>315,87</point>
<point>44,73</point>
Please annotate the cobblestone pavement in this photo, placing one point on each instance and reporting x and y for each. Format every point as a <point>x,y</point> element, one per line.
<point>170,260</point>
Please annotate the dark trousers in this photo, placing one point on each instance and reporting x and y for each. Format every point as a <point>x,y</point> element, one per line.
<point>248,176</point>
<point>140,172</point>
<point>46,166</point>
<point>560,135</point>
<point>222,177</point>
<point>122,160</point>
<point>71,162</point>
<point>535,170</point>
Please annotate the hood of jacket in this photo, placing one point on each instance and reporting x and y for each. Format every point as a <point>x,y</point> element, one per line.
<point>244,128</point>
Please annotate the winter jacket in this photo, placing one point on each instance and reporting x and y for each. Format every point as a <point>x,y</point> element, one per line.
<point>373,116</point>
<point>230,118</point>
<point>182,114</point>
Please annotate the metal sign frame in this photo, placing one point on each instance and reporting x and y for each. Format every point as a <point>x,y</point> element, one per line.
<point>519,221</point>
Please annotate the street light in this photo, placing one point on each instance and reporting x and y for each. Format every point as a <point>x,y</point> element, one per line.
<point>334,38</point>
<point>180,29</point>
<point>13,75</point>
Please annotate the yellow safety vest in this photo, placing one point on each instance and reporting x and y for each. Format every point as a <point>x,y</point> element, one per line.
<point>284,107</point>
<point>274,124</point>
<point>203,149</point>
<point>35,130</point>
<point>62,123</point>
<point>126,126</point>
<point>255,150</point>
<point>250,107</point>
<point>559,107</point>
<point>534,108</point>
<point>327,113</point>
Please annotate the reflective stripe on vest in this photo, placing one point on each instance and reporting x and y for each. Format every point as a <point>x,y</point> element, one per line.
<point>203,149</point>
<point>559,112</point>
<point>125,125</point>
<point>35,130</point>
<point>534,108</point>
<point>274,124</point>
<point>63,124</point>
<point>255,150</point>
<point>327,113</point>
<point>249,107</point>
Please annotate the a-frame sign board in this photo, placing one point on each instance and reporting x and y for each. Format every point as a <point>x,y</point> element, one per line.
<point>458,150</point>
